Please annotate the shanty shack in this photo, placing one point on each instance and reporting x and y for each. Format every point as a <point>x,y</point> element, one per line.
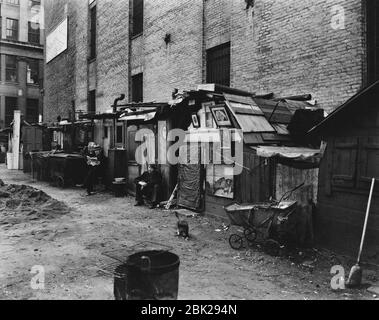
<point>351,160</point>
<point>273,163</point>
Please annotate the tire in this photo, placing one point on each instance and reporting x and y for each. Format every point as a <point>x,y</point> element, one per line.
<point>236,242</point>
<point>250,235</point>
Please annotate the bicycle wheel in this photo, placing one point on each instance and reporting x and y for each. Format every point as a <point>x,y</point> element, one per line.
<point>236,241</point>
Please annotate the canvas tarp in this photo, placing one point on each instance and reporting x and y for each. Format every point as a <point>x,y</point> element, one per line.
<point>189,194</point>
<point>292,153</point>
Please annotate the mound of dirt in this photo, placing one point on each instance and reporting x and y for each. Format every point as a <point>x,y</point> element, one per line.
<point>20,203</point>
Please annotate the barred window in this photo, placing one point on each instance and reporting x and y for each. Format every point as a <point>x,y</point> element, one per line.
<point>218,65</point>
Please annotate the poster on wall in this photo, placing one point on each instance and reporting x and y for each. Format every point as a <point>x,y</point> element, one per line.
<point>220,181</point>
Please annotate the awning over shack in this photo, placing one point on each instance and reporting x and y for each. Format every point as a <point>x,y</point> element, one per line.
<point>293,153</point>
<point>145,115</point>
<point>298,157</point>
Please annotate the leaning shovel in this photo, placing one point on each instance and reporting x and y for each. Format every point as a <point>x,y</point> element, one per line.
<point>355,277</point>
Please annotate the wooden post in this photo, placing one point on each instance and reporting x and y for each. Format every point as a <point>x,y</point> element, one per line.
<point>16,139</point>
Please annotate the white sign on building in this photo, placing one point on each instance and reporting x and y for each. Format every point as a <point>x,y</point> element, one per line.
<point>56,41</point>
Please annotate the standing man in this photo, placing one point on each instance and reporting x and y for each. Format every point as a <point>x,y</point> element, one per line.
<point>148,185</point>
<point>93,155</point>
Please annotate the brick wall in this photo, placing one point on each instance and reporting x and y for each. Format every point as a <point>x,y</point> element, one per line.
<point>179,64</point>
<point>60,72</point>
<point>290,47</point>
<point>112,51</point>
<point>285,47</point>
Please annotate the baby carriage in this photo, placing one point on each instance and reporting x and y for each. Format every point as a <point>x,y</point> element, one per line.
<point>266,223</point>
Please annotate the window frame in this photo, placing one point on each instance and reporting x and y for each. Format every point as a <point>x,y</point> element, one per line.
<point>31,62</point>
<point>137,83</point>
<point>17,29</point>
<point>8,115</point>
<point>218,62</point>
<point>137,27</point>
<point>7,68</point>
<point>34,35</point>
<point>91,107</point>
<point>92,45</point>
<point>36,110</point>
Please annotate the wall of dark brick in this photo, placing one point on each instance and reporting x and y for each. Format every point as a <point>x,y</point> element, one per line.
<point>178,64</point>
<point>60,72</point>
<point>290,47</point>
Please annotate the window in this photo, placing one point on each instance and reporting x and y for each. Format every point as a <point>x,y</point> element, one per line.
<point>32,110</point>
<point>32,73</point>
<point>137,27</point>
<point>373,40</point>
<point>93,22</point>
<point>17,2</point>
<point>33,3</point>
<point>10,106</point>
<point>218,65</point>
<point>12,29</point>
<point>33,32</point>
<point>92,101</point>
<point>345,162</point>
<point>11,69</point>
<point>119,134</point>
<point>137,88</point>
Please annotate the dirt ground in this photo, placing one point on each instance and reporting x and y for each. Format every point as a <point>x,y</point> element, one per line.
<point>69,244</point>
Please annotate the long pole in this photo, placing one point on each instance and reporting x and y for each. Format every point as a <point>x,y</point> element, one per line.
<point>366,220</point>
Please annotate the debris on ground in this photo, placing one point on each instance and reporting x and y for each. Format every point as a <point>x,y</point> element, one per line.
<point>223,227</point>
<point>20,203</point>
<point>374,290</point>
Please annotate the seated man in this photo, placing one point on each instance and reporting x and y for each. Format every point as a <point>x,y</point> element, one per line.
<point>148,185</point>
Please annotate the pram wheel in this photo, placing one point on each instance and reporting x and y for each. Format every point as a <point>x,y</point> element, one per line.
<point>236,241</point>
<point>250,236</point>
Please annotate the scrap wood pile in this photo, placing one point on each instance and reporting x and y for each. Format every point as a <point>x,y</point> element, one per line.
<point>20,203</point>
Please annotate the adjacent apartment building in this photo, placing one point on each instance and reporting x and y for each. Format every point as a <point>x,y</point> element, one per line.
<point>21,60</point>
<point>145,48</point>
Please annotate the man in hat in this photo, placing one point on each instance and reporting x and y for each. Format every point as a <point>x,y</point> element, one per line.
<point>148,185</point>
<point>93,155</point>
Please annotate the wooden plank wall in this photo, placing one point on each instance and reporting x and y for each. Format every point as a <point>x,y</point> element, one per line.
<point>288,178</point>
<point>255,184</point>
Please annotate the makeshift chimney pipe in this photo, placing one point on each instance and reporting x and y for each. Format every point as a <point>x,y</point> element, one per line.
<point>122,97</point>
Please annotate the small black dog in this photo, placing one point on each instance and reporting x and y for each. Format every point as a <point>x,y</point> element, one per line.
<point>182,227</point>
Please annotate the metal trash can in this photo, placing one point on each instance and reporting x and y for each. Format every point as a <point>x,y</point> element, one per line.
<point>149,275</point>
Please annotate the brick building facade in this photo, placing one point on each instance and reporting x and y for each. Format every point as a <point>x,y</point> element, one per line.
<point>21,60</point>
<point>285,47</point>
